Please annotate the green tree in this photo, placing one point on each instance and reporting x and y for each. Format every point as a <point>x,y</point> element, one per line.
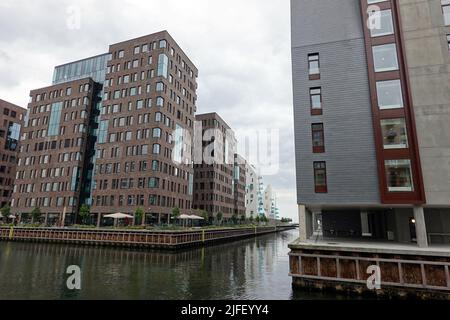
<point>251,219</point>
<point>175,213</point>
<point>243,218</point>
<point>205,215</point>
<point>219,218</point>
<point>6,211</point>
<point>264,219</point>
<point>85,212</point>
<point>35,214</point>
<point>258,219</point>
<point>234,218</point>
<point>139,216</point>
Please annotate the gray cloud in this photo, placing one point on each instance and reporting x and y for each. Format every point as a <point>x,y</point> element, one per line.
<point>242,50</point>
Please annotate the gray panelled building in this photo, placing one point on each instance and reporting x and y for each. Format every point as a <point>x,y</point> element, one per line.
<point>371,107</point>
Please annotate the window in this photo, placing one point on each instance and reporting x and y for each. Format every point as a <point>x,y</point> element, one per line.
<point>55,117</point>
<point>446,11</point>
<point>313,64</point>
<point>385,26</point>
<point>385,57</point>
<point>162,44</point>
<point>389,94</point>
<point>139,104</point>
<point>159,86</point>
<point>163,66</point>
<point>448,41</point>
<point>398,175</point>
<point>316,101</point>
<point>156,148</point>
<point>318,138</point>
<point>394,133</point>
<point>144,150</point>
<point>160,102</point>
<point>137,50</point>
<point>320,177</point>
<point>153,183</point>
<point>156,133</point>
<point>121,54</point>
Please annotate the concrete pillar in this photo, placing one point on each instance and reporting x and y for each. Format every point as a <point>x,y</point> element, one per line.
<point>63,217</point>
<point>159,218</point>
<point>365,224</point>
<point>46,219</point>
<point>302,223</point>
<point>421,228</point>
<point>99,219</point>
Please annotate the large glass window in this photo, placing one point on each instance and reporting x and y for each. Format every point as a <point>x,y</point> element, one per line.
<point>55,117</point>
<point>102,131</point>
<point>385,24</point>
<point>163,65</point>
<point>389,94</point>
<point>385,57</point>
<point>399,176</point>
<point>394,133</point>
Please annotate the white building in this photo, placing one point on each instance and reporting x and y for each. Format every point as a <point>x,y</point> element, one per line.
<point>251,191</point>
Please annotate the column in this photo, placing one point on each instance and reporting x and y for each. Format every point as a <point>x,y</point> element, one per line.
<point>302,223</point>
<point>421,229</point>
<point>99,219</point>
<point>365,230</point>
<point>46,219</point>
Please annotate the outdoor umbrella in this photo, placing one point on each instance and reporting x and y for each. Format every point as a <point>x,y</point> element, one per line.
<point>194,217</point>
<point>12,217</point>
<point>117,216</point>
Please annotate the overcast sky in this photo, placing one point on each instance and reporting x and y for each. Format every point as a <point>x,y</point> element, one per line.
<point>241,48</point>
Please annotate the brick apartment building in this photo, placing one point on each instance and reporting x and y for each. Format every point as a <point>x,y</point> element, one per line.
<point>11,122</point>
<point>111,132</point>
<point>213,180</point>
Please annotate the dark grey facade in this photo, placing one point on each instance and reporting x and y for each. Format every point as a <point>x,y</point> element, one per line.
<point>318,26</point>
<point>369,111</point>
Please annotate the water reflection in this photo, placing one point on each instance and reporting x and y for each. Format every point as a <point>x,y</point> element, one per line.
<point>249,269</point>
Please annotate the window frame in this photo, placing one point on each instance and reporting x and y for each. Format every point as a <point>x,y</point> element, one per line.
<point>315,111</point>
<point>318,187</point>
<point>318,128</point>
<point>312,58</point>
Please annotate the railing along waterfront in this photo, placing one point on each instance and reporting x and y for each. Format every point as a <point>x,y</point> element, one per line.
<point>402,273</point>
<point>137,238</point>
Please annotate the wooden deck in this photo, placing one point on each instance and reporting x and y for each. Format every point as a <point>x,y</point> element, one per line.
<point>133,238</point>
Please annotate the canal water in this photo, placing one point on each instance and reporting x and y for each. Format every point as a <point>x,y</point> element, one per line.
<point>251,269</point>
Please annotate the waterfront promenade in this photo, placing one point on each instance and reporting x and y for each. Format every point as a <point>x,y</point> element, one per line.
<point>135,238</point>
